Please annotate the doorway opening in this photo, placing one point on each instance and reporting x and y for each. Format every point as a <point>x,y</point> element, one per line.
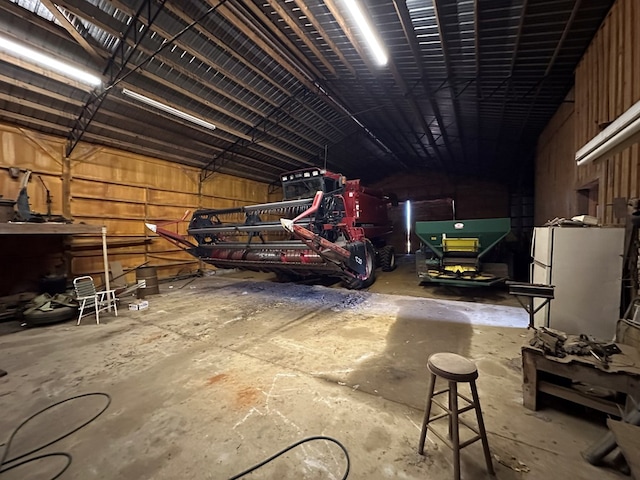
<point>588,200</point>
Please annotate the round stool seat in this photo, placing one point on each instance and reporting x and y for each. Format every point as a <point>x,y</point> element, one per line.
<point>452,367</point>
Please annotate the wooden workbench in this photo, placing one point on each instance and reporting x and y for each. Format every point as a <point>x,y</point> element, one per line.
<point>53,228</point>
<point>622,376</point>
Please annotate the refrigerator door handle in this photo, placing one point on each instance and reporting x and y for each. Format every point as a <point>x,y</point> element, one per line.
<point>539,263</point>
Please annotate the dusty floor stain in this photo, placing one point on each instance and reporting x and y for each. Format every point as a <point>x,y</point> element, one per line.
<point>278,363</point>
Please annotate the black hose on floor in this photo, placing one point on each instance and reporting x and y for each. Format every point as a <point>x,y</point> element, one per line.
<point>4,462</point>
<point>292,446</point>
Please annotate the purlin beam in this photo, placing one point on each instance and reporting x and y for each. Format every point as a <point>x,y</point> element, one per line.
<point>304,8</point>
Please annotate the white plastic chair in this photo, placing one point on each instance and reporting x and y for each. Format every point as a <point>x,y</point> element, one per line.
<point>88,297</point>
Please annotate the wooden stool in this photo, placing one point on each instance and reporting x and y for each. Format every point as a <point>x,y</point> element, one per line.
<point>454,369</point>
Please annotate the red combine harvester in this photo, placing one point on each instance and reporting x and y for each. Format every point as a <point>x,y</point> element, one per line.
<point>325,225</point>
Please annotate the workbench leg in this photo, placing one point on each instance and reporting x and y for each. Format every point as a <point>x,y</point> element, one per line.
<point>530,381</point>
<point>633,394</point>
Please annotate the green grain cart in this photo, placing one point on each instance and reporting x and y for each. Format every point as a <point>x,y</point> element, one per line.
<point>453,251</point>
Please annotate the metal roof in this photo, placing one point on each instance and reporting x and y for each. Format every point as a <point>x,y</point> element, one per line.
<point>468,87</point>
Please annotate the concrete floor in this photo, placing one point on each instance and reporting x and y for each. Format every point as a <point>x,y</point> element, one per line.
<point>221,372</point>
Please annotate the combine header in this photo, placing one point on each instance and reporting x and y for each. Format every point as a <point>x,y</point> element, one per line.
<point>326,225</point>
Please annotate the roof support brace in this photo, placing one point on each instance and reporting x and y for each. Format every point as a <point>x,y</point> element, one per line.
<point>216,162</point>
<point>137,29</point>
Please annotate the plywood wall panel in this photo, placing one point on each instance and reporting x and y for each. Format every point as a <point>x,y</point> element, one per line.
<point>94,208</point>
<point>177,199</point>
<point>607,82</point>
<point>108,191</point>
<point>120,190</point>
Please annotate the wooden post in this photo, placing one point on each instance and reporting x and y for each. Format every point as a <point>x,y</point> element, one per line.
<point>530,380</point>
<point>106,265</point>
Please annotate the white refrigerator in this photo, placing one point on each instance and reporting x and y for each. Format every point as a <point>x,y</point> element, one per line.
<point>585,266</point>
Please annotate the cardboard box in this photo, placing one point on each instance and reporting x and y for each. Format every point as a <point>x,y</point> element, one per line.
<point>139,305</point>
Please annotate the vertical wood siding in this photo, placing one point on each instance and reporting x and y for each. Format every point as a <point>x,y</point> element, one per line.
<point>120,190</point>
<point>607,83</point>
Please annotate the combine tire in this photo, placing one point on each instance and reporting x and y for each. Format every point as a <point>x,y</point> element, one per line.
<point>387,258</point>
<point>369,277</point>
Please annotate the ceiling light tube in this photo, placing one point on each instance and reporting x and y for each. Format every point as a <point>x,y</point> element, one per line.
<point>168,109</point>
<point>371,38</point>
<point>36,57</point>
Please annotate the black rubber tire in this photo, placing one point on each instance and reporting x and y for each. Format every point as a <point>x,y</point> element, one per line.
<point>387,258</point>
<point>370,277</point>
<point>58,314</point>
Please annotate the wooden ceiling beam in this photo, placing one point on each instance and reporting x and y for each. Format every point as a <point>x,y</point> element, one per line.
<point>302,35</point>
<point>118,117</point>
<point>304,8</point>
<point>73,31</point>
<point>342,22</point>
<point>299,59</point>
<point>236,18</point>
<point>247,64</point>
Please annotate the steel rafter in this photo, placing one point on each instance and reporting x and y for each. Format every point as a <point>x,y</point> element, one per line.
<point>119,59</point>
<point>242,21</point>
<point>476,40</point>
<point>407,27</point>
<point>552,60</point>
<point>514,58</point>
<point>116,72</point>
<point>218,160</point>
<point>113,29</point>
<point>450,77</point>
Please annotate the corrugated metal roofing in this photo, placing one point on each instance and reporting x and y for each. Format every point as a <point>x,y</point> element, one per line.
<point>468,88</point>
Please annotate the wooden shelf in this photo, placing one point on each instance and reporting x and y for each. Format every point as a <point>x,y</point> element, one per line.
<point>14,228</point>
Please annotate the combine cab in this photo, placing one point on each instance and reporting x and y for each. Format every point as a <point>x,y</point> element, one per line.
<point>326,225</point>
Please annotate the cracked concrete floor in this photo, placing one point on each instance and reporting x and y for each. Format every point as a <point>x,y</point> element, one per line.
<point>221,372</point>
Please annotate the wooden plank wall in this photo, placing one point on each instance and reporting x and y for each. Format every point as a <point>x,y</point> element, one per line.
<point>120,190</point>
<point>607,82</point>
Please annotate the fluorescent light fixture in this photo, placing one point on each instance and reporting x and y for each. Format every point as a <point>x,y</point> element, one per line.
<point>407,213</point>
<point>41,59</point>
<point>168,109</point>
<point>621,134</point>
<point>357,14</point>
